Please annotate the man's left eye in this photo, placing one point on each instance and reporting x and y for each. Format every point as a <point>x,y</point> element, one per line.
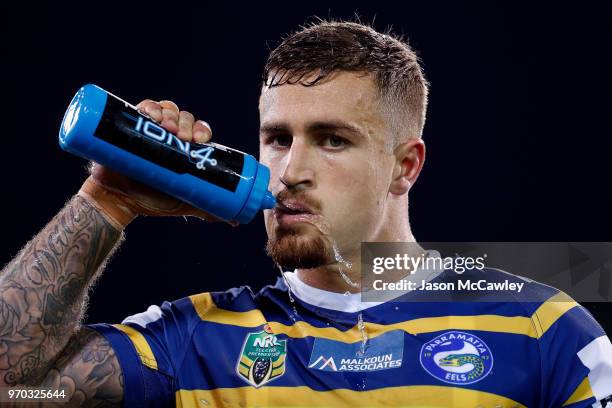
<point>335,141</point>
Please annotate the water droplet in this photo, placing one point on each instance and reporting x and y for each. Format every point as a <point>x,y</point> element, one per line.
<point>347,279</point>
<point>339,257</point>
<point>291,300</point>
<point>364,335</point>
<point>346,264</point>
<point>347,293</point>
<point>396,307</point>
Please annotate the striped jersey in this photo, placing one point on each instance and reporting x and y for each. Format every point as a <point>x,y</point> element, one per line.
<point>275,349</point>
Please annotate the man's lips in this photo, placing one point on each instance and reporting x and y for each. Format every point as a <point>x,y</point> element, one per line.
<point>292,211</point>
<point>294,207</point>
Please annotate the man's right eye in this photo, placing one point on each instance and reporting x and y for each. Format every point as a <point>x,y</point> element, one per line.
<point>280,140</point>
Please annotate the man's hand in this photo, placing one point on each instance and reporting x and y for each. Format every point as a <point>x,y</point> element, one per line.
<point>121,199</point>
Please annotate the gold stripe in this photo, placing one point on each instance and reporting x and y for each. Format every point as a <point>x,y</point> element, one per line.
<point>279,362</point>
<point>243,370</point>
<point>582,392</point>
<point>209,312</point>
<point>535,326</point>
<point>550,311</point>
<point>492,323</point>
<point>410,396</point>
<point>246,361</point>
<point>202,303</point>
<point>140,343</point>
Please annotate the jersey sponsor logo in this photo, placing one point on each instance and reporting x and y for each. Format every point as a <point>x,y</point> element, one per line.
<point>380,353</point>
<point>262,358</point>
<point>322,363</point>
<point>457,358</point>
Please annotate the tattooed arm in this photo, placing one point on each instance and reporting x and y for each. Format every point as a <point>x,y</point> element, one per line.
<point>43,290</point>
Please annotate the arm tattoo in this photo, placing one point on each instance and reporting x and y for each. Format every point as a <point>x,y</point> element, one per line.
<point>89,373</point>
<point>43,290</point>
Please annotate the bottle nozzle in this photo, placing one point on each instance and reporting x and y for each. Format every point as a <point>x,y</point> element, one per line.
<point>269,201</point>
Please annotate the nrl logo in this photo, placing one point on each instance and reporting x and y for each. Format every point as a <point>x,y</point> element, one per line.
<point>262,358</point>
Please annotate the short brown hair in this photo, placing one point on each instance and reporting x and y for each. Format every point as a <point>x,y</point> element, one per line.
<point>326,47</point>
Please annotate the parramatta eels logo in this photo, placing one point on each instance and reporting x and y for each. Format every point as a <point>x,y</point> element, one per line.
<point>457,358</point>
<point>262,358</point>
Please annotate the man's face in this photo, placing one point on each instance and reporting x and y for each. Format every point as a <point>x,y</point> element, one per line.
<point>325,147</point>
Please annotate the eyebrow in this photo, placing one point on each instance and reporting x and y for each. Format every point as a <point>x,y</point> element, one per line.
<point>331,125</point>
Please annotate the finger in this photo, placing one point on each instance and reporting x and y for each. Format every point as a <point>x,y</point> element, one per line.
<point>141,104</point>
<point>170,120</point>
<point>185,126</point>
<point>201,132</point>
<point>166,104</point>
<point>152,109</point>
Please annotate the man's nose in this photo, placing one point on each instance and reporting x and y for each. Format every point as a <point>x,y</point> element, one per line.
<point>298,166</point>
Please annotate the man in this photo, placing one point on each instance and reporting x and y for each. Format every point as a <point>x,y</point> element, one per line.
<point>342,110</point>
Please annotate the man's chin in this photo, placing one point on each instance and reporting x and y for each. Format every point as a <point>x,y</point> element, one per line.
<point>298,247</point>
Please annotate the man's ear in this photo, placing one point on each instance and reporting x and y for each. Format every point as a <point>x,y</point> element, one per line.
<point>409,159</point>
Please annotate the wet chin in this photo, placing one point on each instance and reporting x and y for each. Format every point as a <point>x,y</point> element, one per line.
<point>294,249</point>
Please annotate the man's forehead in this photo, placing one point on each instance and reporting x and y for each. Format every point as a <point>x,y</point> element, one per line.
<point>346,96</point>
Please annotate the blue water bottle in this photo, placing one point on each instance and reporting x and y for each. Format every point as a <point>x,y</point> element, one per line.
<point>216,179</point>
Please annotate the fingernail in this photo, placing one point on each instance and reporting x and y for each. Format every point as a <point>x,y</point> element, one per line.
<point>203,122</point>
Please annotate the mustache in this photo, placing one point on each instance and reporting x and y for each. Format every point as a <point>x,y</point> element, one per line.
<point>312,203</point>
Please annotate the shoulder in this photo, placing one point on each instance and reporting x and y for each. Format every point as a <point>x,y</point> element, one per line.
<point>548,307</point>
<point>208,306</point>
<point>195,306</point>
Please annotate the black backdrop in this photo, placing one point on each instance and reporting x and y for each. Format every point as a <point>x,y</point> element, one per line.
<point>518,130</point>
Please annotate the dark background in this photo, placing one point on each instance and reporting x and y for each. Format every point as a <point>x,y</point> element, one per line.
<point>518,129</point>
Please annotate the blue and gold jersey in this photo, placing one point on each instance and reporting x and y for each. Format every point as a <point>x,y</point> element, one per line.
<point>240,349</point>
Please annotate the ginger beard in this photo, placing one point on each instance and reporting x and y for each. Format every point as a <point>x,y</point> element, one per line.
<point>300,245</point>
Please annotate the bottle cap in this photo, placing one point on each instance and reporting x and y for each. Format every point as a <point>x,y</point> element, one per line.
<point>82,117</point>
<point>259,197</point>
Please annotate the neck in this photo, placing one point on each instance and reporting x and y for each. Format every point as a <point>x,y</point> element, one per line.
<point>344,275</point>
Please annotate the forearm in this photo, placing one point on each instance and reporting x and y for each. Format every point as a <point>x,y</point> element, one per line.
<point>43,290</point>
